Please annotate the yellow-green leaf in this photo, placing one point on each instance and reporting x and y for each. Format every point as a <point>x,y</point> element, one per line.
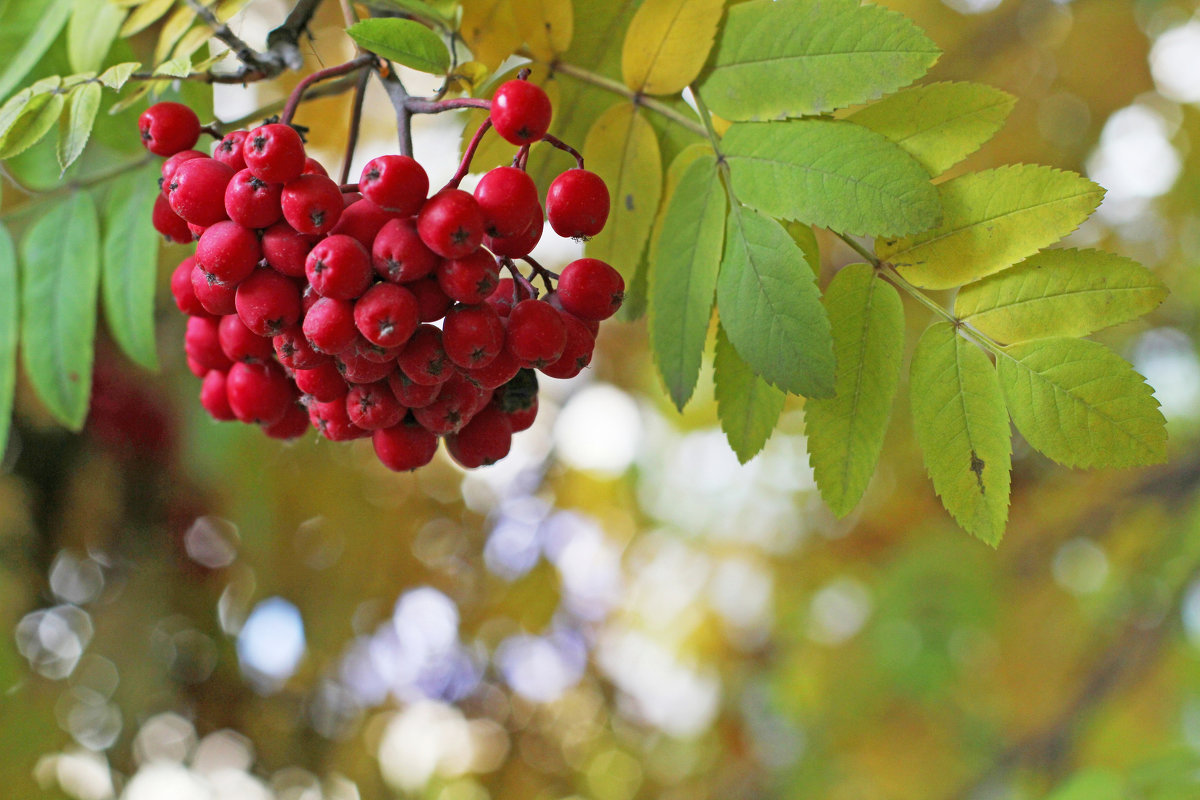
<point>91,31</point>
<point>940,124</point>
<point>747,406</point>
<point>175,68</point>
<point>489,28</point>
<point>1081,404</point>
<point>546,26</point>
<point>845,432</point>
<point>622,149</point>
<point>130,262</point>
<point>962,428</point>
<point>77,124</point>
<point>135,96</point>
<point>667,43</point>
<point>1059,293</point>
<point>992,220</point>
<point>145,15</point>
<point>16,65</point>
<point>35,121</point>
<point>9,320</point>
<point>404,41</point>
<point>115,76</point>
<point>173,30</point>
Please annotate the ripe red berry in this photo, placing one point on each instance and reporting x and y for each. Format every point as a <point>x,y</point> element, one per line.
<point>202,343</point>
<point>363,220</point>
<point>521,112</point>
<point>268,302</point>
<point>398,253</point>
<point>197,190</point>
<point>171,164</point>
<point>294,351</point>
<point>423,359</point>
<point>314,167</point>
<point>456,404</point>
<point>387,314</point>
<point>537,334</point>
<point>470,279</point>
<point>214,397</point>
<point>329,325</point>
<point>339,266</point>
<point>251,201</point>
<point>484,440</point>
<point>355,367</point>
<point>504,297</point>
<point>522,418</point>
<point>412,395</point>
<point>312,203</point>
<point>295,423</point>
<point>395,183</point>
<point>274,152</point>
<point>508,200</point>
<point>239,343</point>
<point>451,224</point>
<point>323,382</point>
<point>259,393</point>
<point>181,289</point>
<point>431,300</point>
<point>168,223</point>
<point>215,296</point>
<point>577,353</point>
<point>229,150</point>
<point>167,128</point>
<point>372,406</point>
<point>577,204</point>
<point>404,447</point>
<point>228,252</point>
<point>497,372</point>
<point>591,289</point>
<point>472,335</point>
<point>520,245</point>
<point>331,421</point>
<point>286,250</point>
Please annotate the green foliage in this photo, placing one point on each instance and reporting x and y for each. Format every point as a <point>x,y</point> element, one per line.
<point>37,31</point>
<point>36,114</point>
<point>799,57</point>
<point>667,43</point>
<point>9,320</point>
<point>845,432</point>
<point>130,264</point>
<point>60,272</point>
<point>1082,405</point>
<point>77,124</point>
<point>829,173</point>
<point>1059,293</point>
<point>747,405</point>
<point>962,429</point>
<point>90,33</point>
<point>404,41</point>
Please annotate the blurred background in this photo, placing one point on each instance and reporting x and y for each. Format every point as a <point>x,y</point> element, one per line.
<point>618,610</point>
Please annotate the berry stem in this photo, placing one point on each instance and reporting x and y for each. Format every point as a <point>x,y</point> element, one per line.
<point>521,284</point>
<point>554,141</point>
<point>421,105</point>
<point>347,188</point>
<point>465,165</point>
<point>360,93</point>
<point>541,272</point>
<point>330,89</point>
<point>293,102</point>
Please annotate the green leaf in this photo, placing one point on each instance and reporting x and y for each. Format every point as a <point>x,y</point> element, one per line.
<point>771,308</point>
<point>51,18</point>
<point>145,15</point>
<point>175,68</point>
<point>683,276</point>
<point>90,33</point>
<point>667,43</point>
<point>417,8</point>
<point>830,173</point>
<point>804,237</point>
<point>1092,784</point>
<point>60,270</point>
<point>992,220</point>
<point>747,405</point>
<point>622,149</point>
<point>1059,293</point>
<point>134,97</point>
<point>81,115</point>
<point>845,432</point>
<point>404,41</point>
<point>130,264</point>
<point>794,58</point>
<point>1081,404</point>
<point>9,299</point>
<point>115,76</point>
<point>962,429</point>
<point>940,124</point>
<point>35,121</point>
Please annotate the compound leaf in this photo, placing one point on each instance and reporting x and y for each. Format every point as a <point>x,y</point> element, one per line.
<point>667,43</point>
<point>35,120</point>
<point>404,41</point>
<point>50,19</point>
<point>130,263</point>
<point>845,432</point>
<point>1081,404</point>
<point>747,405</point>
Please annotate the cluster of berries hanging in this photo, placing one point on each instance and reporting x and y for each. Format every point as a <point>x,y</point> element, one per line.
<point>374,309</point>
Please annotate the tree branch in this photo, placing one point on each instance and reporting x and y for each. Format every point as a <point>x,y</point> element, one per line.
<point>400,99</point>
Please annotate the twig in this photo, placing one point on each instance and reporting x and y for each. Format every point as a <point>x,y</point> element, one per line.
<point>250,57</point>
<point>521,283</point>
<point>360,93</point>
<point>464,166</point>
<point>331,89</point>
<point>399,97</point>
<point>357,63</point>
<point>421,105</point>
<point>554,141</point>
<point>284,41</point>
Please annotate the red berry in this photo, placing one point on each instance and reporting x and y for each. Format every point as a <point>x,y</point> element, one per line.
<point>339,266</point>
<point>329,325</point>
<point>431,300</point>
<point>171,164</point>
<point>363,220</point>
<point>274,152</point>
<point>423,359</point>
<point>167,128</point>
<point>331,421</point>
<point>357,368</point>
<point>520,112</point>
<point>577,204</point>
<point>202,343</point>
<point>404,447</point>
<point>395,183</point>
<point>523,418</point>
<point>312,203</point>
<point>196,368</point>
<point>508,200</point>
<point>520,245</point>
<point>239,343</point>
<point>451,224</point>
<point>215,296</point>
<point>228,252</point>
<point>387,314</point>
<point>197,190</point>
<point>268,302</point>
<point>470,279</point>
<point>500,370</point>
<point>181,289</point>
<point>504,297</point>
<point>578,351</point>
<point>537,334</point>
<point>214,398</point>
<point>294,351</point>
<point>168,223</point>
<point>295,423</point>
<point>457,403</point>
<point>412,395</point>
<point>591,289</point>
<point>259,393</point>
<point>286,250</point>
<point>372,406</point>
<point>398,253</point>
<point>229,150</point>
<point>323,382</point>
<point>251,201</point>
<point>314,167</point>
<point>472,335</point>
<point>484,440</point>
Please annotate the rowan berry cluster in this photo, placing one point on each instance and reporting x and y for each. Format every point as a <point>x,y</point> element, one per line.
<point>375,309</point>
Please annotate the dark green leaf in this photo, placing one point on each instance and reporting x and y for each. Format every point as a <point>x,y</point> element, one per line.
<point>748,406</point>
<point>130,264</point>
<point>404,41</point>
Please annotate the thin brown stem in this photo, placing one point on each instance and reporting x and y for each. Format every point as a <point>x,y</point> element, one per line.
<point>464,166</point>
<point>357,63</point>
<point>421,105</point>
<point>538,270</point>
<point>331,89</point>
<point>360,93</point>
<point>554,141</point>
<point>522,284</point>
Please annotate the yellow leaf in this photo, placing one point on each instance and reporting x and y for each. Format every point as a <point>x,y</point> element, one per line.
<point>192,41</point>
<point>146,15</point>
<point>546,26</point>
<point>172,30</point>
<point>489,28</point>
<point>667,44</point>
<point>622,149</point>
<point>467,77</point>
